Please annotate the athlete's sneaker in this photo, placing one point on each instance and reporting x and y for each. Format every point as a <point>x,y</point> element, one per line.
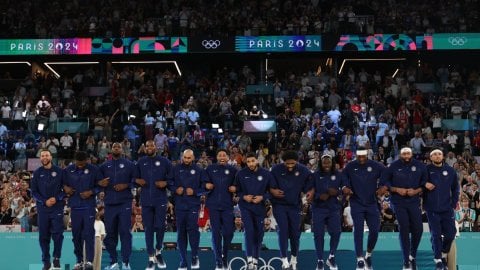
<point>407,266</point>
<point>78,266</point>
<point>113,266</point>
<point>160,262</point>
<point>56,264</point>
<point>360,265</point>
<point>182,266</point>
<point>293,262</point>
<point>439,266</point>
<point>413,264</point>
<point>219,266</point>
<point>250,266</point>
<point>368,263</point>
<point>150,265</point>
<point>332,264</point>
<point>320,265</point>
<point>445,264</point>
<point>88,266</point>
<point>46,266</point>
<point>225,263</point>
<point>126,266</point>
<point>195,263</point>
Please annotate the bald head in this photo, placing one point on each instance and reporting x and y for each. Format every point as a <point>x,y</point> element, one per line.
<point>188,157</point>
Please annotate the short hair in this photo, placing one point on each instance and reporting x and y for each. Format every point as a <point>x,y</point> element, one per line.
<point>223,150</point>
<point>290,155</point>
<point>250,155</point>
<point>81,156</point>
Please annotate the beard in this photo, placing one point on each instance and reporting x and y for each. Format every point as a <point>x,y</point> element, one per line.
<point>437,163</point>
<point>116,155</point>
<point>46,162</point>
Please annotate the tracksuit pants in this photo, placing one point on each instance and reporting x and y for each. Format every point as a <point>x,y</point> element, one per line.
<point>118,221</point>
<point>222,223</point>
<point>441,224</point>
<point>50,226</point>
<point>360,214</point>
<point>83,231</point>
<point>410,227</point>
<point>332,219</point>
<point>154,223</point>
<point>288,220</point>
<point>253,224</point>
<point>187,231</point>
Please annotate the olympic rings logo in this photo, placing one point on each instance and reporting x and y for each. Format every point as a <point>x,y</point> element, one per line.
<point>264,265</point>
<point>457,41</point>
<point>211,44</point>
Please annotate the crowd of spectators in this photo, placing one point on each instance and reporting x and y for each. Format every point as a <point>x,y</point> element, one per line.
<point>315,114</point>
<point>119,18</point>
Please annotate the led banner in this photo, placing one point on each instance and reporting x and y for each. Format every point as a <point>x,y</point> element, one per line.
<point>383,42</point>
<point>278,44</point>
<point>211,44</point>
<point>87,46</point>
<point>456,41</point>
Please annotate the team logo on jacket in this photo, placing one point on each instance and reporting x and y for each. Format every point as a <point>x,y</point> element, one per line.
<point>260,178</point>
<point>192,171</point>
<point>414,168</point>
<point>121,165</point>
<point>53,174</point>
<point>333,177</point>
<point>227,172</point>
<point>157,163</point>
<point>86,171</point>
<point>445,173</point>
<point>369,169</point>
<point>297,173</point>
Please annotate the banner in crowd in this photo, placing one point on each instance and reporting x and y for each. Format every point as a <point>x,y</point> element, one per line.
<point>211,44</point>
<point>88,46</point>
<point>278,44</point>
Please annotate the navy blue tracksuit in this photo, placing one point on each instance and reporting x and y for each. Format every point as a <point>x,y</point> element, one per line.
<point>83,211</point>
<point>326,212</point>
<point>118,207</point>
<point>287,210</point>
<point>153,199</point>
<point>47,183</point>
<point>439,204</point>
<point>363,179</point>
<point>408,175</point>
<point>187,206</point>
<point>220,206</point>
<point>255,183</point>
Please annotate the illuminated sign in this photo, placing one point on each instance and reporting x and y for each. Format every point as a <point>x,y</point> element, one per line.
<point>278,44</point>
<point>260,126</point>
<point>74,46</point>
<point>384,42</point>
<point>456,41</point>
<point>211,44</point>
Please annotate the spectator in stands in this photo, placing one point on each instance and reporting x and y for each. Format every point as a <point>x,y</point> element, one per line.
<point>465,216</point>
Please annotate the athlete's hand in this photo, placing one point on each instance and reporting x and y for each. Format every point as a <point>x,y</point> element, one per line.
<point>104,182</point>
<point>347,191</point>
<point>161,184</point>
<point>429,186</point>
<point>412,192</point>
<point>277,193</point>
<point>382,190</point>
<point>189,191</point>
<point>332,192</point>
<point>86,194</point>
<point>248,198</point>
<point>51,201</point>
<point>257,199</point>
<point>68,190</point>
<point>401,191</point>
<point>209,186</point>
<point>232,189</point>
<point>310,195</point>
<point>324,196</point>
<point>179,191</point>
<point>141,182</point>
<point>120,187</point>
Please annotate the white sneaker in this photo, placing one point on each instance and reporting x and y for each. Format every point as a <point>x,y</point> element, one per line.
<point>126,266</point>
<point>88,266</point>
<point>112,267</point>
<point>150,265</point>
<point>195,263</point>
<point>293,262</point>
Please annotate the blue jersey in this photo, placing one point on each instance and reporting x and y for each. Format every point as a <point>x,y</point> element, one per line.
<point>192,177</point>
<point>82,180</point>
<point>222,177</point>
<point>292,183</point>
<point>404,175</point>
<point>47,183</point>
<point>444,196</point>
<point>255,183</point>
<point>322,181</point>
<point>363,180</point>
<point>120,171</point>
<point>153,169</point>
